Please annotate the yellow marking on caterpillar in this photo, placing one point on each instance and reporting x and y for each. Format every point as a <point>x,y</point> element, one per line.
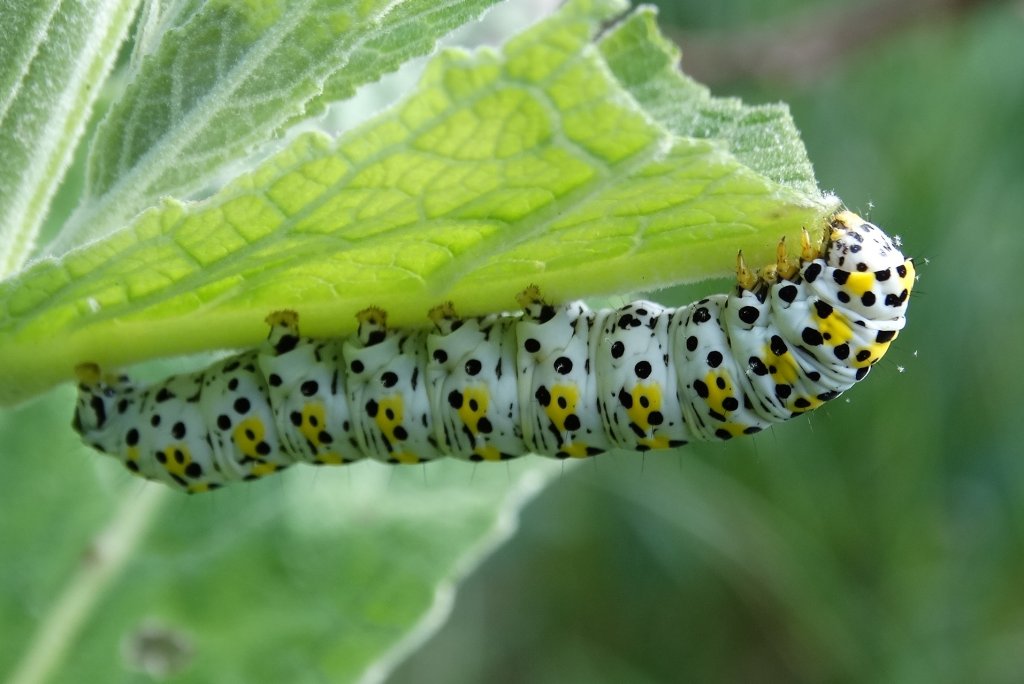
<point>786,369</point>
<point>557,413</point>
<point>389,424</point>
<point>575,450</point>
<point>389,416</point>
<point>813,402</point>
<point>564,400</point>
<point>859,283</point>
<point>907,281</point>
<point>734,429</point>
<point>177,458</point>
<point>478,396</point>
<point>314,416</point>
<point>655,442</point>
<point>717,395</point>
<point>488,452</point>
<point>314,420</point>
<point>263,469</point>
<point>646,400</point>
<point>835,327</point>
<point>877,349</point>
<point>248,435</point>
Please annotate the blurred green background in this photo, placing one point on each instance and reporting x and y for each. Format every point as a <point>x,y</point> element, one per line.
<point>879,539</point>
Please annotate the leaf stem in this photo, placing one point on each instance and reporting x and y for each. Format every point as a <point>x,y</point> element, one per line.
<point>101,563</point>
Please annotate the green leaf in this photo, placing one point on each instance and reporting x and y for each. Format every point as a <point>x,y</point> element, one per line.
<point>532,166</point>
<point>372,554</point>
<point>223,77</point>
<point>762,137</point>
<point>53,58</point>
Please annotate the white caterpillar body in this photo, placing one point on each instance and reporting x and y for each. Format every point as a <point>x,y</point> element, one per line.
<point>562,381</point>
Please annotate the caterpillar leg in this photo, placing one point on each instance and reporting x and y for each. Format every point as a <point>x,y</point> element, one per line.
<point>809,252</point>
<point>373,326</point>
<point>87,373</point>
<point>284,331</point>
<point>534,305</point>
<point>745,277</point>
<point>784,268</point>
<point>444,318</point>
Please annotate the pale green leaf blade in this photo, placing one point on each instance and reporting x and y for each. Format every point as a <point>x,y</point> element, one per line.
<point>503,170</point>
<point>54,56</point>
<point>763,137</point>
<point>225,77</point>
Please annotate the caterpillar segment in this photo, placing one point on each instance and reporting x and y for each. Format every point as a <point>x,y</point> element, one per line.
<point>558,380</point>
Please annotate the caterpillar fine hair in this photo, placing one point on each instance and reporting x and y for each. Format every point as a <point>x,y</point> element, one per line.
<point>562,381</point>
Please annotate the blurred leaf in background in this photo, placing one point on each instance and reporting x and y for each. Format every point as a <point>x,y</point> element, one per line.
<point>882,540</point>
<point>877,541</point>
<point>575,156</point>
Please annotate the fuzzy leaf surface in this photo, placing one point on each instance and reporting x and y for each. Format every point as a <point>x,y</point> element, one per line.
<point>212,80</point>
<point>54,56</point>
<point>535,165</point>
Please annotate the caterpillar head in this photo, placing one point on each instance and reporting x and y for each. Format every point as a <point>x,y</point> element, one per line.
<point>858,246</point>
<point>869,273</point>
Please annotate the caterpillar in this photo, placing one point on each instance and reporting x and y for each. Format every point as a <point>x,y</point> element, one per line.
<point>563,381</point>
